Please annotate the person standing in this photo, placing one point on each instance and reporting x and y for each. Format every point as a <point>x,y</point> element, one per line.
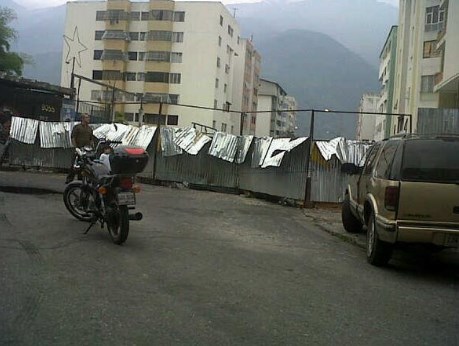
<point>81,136</point>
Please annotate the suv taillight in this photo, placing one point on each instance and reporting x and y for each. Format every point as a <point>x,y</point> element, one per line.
<point>391,198</point>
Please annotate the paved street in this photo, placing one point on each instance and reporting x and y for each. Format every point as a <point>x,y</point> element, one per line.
<point>207,268</point>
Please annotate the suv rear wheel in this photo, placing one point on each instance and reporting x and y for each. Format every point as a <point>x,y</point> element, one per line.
<point>378,252</point>
<point>350,222</point>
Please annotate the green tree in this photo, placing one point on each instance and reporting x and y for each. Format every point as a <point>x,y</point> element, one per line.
<point>10,62</point>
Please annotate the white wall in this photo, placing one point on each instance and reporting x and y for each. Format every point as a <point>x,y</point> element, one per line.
<point>263,124</point>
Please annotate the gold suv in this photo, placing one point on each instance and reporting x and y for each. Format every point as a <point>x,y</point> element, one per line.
<point>407,192</point>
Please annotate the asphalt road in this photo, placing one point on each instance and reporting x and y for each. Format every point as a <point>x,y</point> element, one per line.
<point>210,269</point>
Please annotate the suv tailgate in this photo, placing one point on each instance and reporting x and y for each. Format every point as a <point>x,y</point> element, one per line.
<point>429,202</point>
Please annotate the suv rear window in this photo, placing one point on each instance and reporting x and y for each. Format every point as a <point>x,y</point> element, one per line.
<point>431,160</point>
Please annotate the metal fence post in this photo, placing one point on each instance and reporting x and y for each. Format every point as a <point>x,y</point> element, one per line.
<point>307,193</point>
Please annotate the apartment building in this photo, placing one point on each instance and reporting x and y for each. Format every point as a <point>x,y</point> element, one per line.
<point>276,109</point>
<point>426,70</point>
<point>447,44</point>
<point>366,123</point>
<point>387,59</point>
<point>165,54</point>
<point>250,70</point>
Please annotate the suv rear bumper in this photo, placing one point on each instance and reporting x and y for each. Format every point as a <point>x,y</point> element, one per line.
<point>438,234</point>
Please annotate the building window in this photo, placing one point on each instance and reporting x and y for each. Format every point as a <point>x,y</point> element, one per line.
<point>238,39</point>
<point>129,117</point>
<point>157,77</point>
<point>115,35</point>
<point>95,95</point>
<point>145,16</point>
<point>165,15</point>
<point>140,76</point>
<point>97,54</point>
<point>134,36</point>
<point>214,124</point>
<point>435,17</point>
<point>159,35</point>
<point>215,104</point>
<point>218,61</point>
<point>227,68</point>
<point>174,99</point>
<point>97,74</point>
<point>100,15</point>
<point>219,41</point>
<point>179,16</point>
<point>98,35</point>
<point>142,36</point>
<point>132,56</point>
<point>430,50</point>
<point>177,37</point>
<point>225,87</point>
<point>141,56</point>
<point>172,119</point>
<point>176,57</point>
<point>221,20</point>
<point>130,76</point>
<point>154,119</point>
<point>158,56</point>
<point>230,30</point>
<point>427,83</point>
<point>112,75</point>
<point>216,82</point>
<point>135,15</point>
<point>175,78</point>
<point>223,127</point>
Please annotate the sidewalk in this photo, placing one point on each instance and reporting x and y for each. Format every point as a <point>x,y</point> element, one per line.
<point>326,218</point>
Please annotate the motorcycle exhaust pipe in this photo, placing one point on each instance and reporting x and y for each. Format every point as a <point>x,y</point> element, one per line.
<point>136,217</point>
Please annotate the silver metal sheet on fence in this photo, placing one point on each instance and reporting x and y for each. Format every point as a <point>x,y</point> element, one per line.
<point>55,134</point>
<point>277,150</point>
<point>191,140</point>
<point>143,137</point>
<point>224,146</point>
<point>349,151</point>
<point>24,130</point>
<point>244,146</point>
<point>168,146</point>
<point>260,150</point>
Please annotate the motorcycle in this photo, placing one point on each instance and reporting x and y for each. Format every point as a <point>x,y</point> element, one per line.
<point>106,193</point>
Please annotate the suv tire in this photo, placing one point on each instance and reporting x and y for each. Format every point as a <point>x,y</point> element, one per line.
<point>378,252</point>
<point>350,222</point>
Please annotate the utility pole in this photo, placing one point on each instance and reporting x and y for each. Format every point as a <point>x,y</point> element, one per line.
<point>307,194</point>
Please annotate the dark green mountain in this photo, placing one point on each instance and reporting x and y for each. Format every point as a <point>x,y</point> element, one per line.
<point>320,73</point>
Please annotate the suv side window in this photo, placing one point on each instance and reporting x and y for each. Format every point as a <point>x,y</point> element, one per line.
<point>384,165</point>
<point>397,164</point>
<point>371,159</point>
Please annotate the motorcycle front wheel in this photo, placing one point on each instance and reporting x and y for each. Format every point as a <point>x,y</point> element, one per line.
<point>118,223</point>
<point>76,200</point>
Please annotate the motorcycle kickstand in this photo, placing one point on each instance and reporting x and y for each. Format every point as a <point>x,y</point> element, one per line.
<point>90,226</point>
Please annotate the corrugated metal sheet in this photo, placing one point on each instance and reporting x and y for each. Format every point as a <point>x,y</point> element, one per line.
<point>199,169</point>
<point>438,121</point>
<point>278,148</point>
<point>288,180</point>
<point>168,146</point>
<point>224,146</point>
<point>55,134</point>
<point>347,151</point>
<point>260,150</point>
<point>244,146</point>
<point>191,140</point>
<point>24,130</point>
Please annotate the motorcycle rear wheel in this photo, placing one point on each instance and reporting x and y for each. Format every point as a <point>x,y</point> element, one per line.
<point>74,200</point>
<point>118,223</point>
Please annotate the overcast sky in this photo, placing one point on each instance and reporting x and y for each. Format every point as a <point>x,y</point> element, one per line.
<point>48,3</point>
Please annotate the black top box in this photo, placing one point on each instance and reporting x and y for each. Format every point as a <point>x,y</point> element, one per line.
<point>128,159</point>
